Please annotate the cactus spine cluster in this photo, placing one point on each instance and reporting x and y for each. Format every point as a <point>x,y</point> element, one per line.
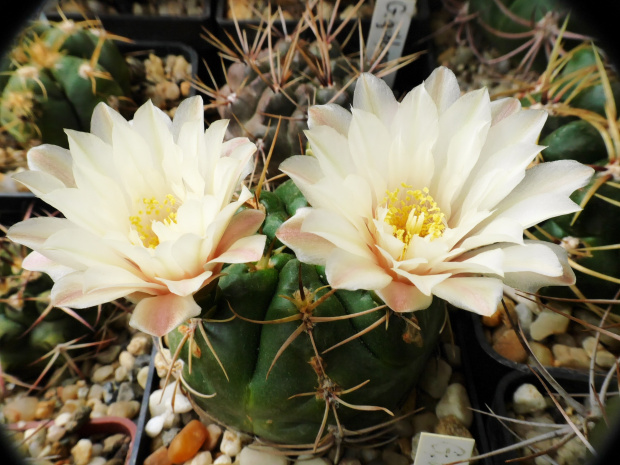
<point>56,74</point>
<point>278,354</point>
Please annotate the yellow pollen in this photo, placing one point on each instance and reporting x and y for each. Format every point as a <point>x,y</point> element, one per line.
<point>150,210</point>
<point>417,214</point>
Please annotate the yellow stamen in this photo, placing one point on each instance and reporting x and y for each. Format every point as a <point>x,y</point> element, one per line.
<point>415,215</point>
<point>150,210</point>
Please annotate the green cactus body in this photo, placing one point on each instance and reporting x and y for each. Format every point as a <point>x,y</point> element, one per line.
<point>278,378</point>
<point>58,73</point>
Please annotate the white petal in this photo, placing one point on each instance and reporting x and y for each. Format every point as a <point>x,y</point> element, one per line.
<point>189,286</point>
<point>331,150</point>
<point>308,247</point>
<point>34,261</point>
<point>68,292</point>
<point>34,232</point>
<point>331,115</point>
<point>478,295</point>
<point>443,88</point>
<point>161,314</point>
<point>373,95</point>
<point>348,271</point>
<point>53,160</point>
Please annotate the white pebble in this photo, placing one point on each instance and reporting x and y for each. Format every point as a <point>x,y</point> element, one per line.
<point>62,419</point>
<point>222,459</point>
<point>265,456</point>
<point>120,374</point>
<point>455,402</point>
<point>155,425</point>
<point>202,458</point>
<point>97,461</point>
<point>231,443</point>
<point>102,374</point>
<point>528,399</point>
<point>126,360</point>
<point>312,461</point>
<point>548,323</point>
<point>55,433</point>
<point>82,452</point>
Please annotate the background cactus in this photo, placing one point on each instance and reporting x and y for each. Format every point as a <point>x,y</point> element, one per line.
<point>293,362</point>
<point>55,75</point>
<point>275,78</point>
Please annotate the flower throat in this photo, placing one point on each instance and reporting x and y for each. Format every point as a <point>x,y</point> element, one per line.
<point>150,210</point>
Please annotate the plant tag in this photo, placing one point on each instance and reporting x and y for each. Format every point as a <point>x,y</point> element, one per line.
<point>390,18</point>
<point>439,449</point>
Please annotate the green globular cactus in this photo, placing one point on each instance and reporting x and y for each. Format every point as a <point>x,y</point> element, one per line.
<point>56,74</point>
<point>277,354</point>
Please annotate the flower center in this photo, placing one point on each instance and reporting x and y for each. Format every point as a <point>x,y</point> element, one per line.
<point>149,211</point>
<point>417,214</point>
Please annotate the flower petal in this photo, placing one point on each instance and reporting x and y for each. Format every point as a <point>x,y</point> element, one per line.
<point>404,297</point>
<point>373,95</point>
<point>347,271</point>
<point>161,314</point>
<point>331,115</point>
<point>478,295</point>
<point>308,247</point>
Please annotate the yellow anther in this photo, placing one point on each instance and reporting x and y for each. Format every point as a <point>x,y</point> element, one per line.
<point>149,211</point>
<point>416,215</point>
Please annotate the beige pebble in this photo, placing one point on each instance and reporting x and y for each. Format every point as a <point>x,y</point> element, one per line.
<point>127,360</point>
<point>108,355</point>
<point>97,460</point>
<point>21,409</point>
<point>231,443</point>
<point>452,426</point>
<point>82,452</point>
<point>140,344</point>
<point>435,377</point>
<point>455,402</point>
<point>222,459</point>
<point>215,433</point>
<point>126,409</point>
<point>143,376</point>
<point>62,419</point>
<point>507,344</point>
<point>542,353</point>
<point>55,432</point>
<point>99,409</point>
<point>45,409</point>
<point>570,357</point>
<point>69,392</point>
<point>549,322</point>
<point>424,422</point>
<point>201,458</point>
<point>528,399</point>
<point>120,374</point>
<point>102,374</point>
<point>266,456</point>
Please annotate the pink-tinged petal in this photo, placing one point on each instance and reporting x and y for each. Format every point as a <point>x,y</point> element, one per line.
<point>331,115</point>
<point>244,223</point>
<point>53,160</point>
<point>443,88</point>
<point>34,232</point>
<point>404,297</point>
<point>478,295</point>
<point>423,282</point>
<point>38,182</point>
<point>67,292</point>
<point>308,247</point>
<point>352,272</point>
<point>373,95</point>
<point>34,261</point>
<point>532,281</point>
<point>503,108</point>
<point>245,250</point>
<point>477,262</point>
<point>100,277</point>
<point>159,315</point>
<point>185,287</point>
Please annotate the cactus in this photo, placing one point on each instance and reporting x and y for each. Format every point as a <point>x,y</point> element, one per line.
<point>272,81</point>
<point>292,362</point>
<point>57,73</point>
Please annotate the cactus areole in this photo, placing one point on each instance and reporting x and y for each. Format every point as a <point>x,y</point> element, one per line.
<point>278,378</point>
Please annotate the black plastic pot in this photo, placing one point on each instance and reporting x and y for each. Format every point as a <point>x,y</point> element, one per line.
<point>573,383</point>
<point>185,29</point>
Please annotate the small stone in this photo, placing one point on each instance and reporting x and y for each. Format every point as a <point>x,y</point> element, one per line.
<point>574,452</point>
<point>113,443</point>
<point>71,405</point>
<point>202,458</point>
<point>435,377</point>
<point>82,452</point>
<point>507,344</point>
<point>83,392</point>
<point>155,425</point>
<point>168,435</point>
<point>549,322</point>
<point>452,352</point>
<point>108,355</point>
<point>159,457</point>
<point>570,357</point>
<point>455,402</point>
<point>452,426</point>
<point>125,392</point>
<point>524,313</point>
<point>222,459</point>
<point>55,432</point>
<point>143,376</point>
<point>424,422</point>
<point>312,461</point>
<point>231,443</point>
<point>99,409</point>
<point>78,418</point>
<point>605,359</point>
<point>62,419</point>
<point>265,456</point>
<point>528,399</point>
<point>393,458</point>
<point>542,353</point>
<point>127,360</point>
<point>21,409</point>
<point>69,392</point>
<point>45,409</point>
<point>99,461</point>
<point>140,344</point>
<point>95,392</point>
<point>612,343</point>
<point>102,374</point>
<point>187,443</point>
<point>215,433</point>
<point>125,409</point>
<point>35,439</point>
<point>120,374</point>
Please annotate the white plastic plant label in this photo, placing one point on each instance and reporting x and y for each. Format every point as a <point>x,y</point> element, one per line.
<point>390,19</point>
<point>439,449</point>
